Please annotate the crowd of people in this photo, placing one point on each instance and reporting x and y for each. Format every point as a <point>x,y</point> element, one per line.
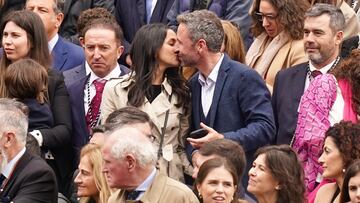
<point>180,101</point>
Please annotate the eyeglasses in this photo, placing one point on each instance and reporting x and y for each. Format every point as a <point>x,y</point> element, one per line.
<point>260,16</point>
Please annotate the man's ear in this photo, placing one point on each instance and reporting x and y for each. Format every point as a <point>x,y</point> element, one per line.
<point>59,19</point>
<point>9,137</point>
<point>339,37</point>
<point>130,162</point>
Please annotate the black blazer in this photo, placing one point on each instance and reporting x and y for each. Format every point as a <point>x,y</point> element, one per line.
<point>32,181</point>
<point>58,138</point>
<point>288,88</point>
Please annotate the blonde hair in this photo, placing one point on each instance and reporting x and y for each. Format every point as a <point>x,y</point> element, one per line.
<point>234,45</point>
<point>93,152</point>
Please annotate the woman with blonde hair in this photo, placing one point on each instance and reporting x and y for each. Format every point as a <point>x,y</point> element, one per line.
<point>233,44</point>
<point>91,182</point>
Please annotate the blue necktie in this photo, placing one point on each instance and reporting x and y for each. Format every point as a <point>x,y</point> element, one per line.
<point>148,10</point>
<point>132,195</point>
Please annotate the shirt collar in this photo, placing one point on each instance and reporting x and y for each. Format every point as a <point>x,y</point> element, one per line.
<point>11,164</point>
<point>147,182</point>
<point>115,73</point>
<point>213,74</point>
<point>324,69</point>
<point>53,42</point>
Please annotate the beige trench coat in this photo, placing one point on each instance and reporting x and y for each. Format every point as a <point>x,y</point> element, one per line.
<point>115,97</point>
<point>162,190</point>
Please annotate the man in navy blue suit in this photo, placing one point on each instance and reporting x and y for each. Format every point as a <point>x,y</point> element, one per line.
<point>66,55</point>
<point>229,99</point>
<point>102,44</point>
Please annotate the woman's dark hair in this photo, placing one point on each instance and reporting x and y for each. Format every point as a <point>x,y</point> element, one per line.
<point>212,164</point>
<point>349,70</point>
<point>286,168</point>
<point>353,169</point>
<point>26,79</point>
<point>346,136</point>
<point>37,38</point>
<point>144,50</point>
<point>290,16</point>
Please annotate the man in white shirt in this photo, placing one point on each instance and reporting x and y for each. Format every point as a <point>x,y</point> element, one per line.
<point>85,83</point>
<point>323,33</point>
<point>66,55</point>
<point>25,178</point>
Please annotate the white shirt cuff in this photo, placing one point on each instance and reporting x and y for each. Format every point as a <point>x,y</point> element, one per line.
<point>38,136</point>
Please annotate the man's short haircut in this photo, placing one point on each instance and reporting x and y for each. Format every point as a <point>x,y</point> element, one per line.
<point>204,24</point>
<point>129,140</point>
<point>58,6</point>
<point>227,149</point>
<point>337,19</point>
<point>126,116</point>
<point>108,24</point>
<point>12,118</point>
<point>87,16</point>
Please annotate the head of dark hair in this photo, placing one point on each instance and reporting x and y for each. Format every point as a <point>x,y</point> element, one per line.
<point>352,171</point>
<point>337,19</point>
<point>214,163</point>
<point>37,38</point>
<point>290,16</point>
<point>286,168</point>
<point>105,23</point>
<point>227,149</point>
<point>349,70</point>
<point>145,46</point>
<point>346,137</point>
<point>86,17</point>
<point>26,79</point>
<point>126,116</point>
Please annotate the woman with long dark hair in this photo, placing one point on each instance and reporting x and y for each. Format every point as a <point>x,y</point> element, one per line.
<point>24,36</point>
<point>156,87</point>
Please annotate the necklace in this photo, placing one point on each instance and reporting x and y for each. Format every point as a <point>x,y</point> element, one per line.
<point>92,121</point>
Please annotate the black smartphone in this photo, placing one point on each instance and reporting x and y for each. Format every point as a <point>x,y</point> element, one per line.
<point>199,133</point>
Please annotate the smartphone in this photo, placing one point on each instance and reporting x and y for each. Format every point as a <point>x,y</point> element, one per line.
<point>199,133</point>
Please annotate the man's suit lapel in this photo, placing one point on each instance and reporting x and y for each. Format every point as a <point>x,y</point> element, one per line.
<point>196,101</point>
<point>298,84</point>
<point>141,9</point>
<point>61,53</point>
<point>20,165</point>
<point>220,81</point>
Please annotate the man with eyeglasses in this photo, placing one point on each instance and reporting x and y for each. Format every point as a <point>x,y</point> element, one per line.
<point>323,33</point>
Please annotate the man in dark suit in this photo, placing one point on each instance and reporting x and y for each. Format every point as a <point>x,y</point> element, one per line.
<point>229,99</point>
<point>102,44</point>
<point>66,55</point>
<point>25,178</point>
<point>323,33</point>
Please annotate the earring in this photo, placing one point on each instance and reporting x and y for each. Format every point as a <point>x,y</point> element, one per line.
<point>277,187</point>
<point>200,195</point>
<point>343,170</point>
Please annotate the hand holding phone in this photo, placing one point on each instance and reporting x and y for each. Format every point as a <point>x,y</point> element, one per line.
<point>199,133</point>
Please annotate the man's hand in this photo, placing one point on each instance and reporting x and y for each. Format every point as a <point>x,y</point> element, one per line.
<point>212,135</point>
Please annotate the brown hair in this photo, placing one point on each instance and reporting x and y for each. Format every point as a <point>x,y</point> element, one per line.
<point>234,45</point>
<point>25,79</point>
<point>227,149</point>
<point>349,70</point>
<point>87,16</point>
<point>290,16</point>
<point>352,171</point>
<point>286,168</point>
<point>37,38</point>
<point>214,163</point>
<point>346,136</point>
